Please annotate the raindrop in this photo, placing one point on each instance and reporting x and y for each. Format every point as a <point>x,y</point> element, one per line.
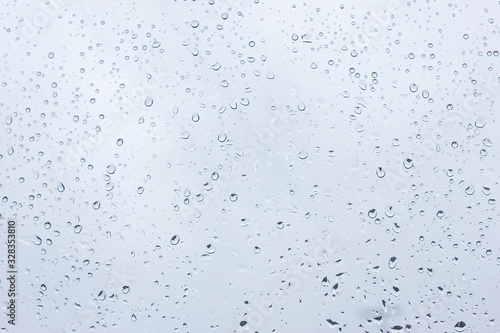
<point>389,211</point>
<point>77,229</point>
<point>413,87</point>
<point>470,190</point>
<point>133,317</point>
<point>96,205</point>
<point>392,262</point>
<point>125,289</point>
<point>195,24</point>
<point>175,239</point>
<point>408,163</point>
<point>303,154</point>
<point>119,142</point>
<point>37,241</point>
<point>148,102</point>
<point>372,213</point>
<point>60,187</point>
<point>380,172</point>
<point>460,326</point>
<point>111,169</point>
<point>280,225</point>
<point>233,197</point>
<point>210,249</point>
<point>440,214</point>
<point>140,190</point>
<point>222,137</point>
<point>102,295</point>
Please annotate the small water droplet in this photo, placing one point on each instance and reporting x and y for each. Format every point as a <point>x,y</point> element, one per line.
<point>96,205</point>
<point>470,190</point>
<point>233,197</point>
<point>460,326</point>
<point>303,154</point>
<point>408,163</point>
<point>102,295</point>
<point>149,101</point>
<point>125,289</point>
<point>111,169</point>
<point>380,172</point>
<point>280,225</point>
<point>37,240</point>
<point>392,262</point>
<point>175,239</point>
<point>77,229</point>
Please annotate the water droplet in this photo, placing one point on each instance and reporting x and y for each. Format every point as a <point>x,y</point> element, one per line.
<point>413,87</point>
<point>195,24</point>
<point>210,249</point>
<point>222,137</point>
<point>111,169</point>
<point>303,154</point>
<point>119,142</point>
<point>408,163</point>
<point>102,295</point>
<point>77,229</point>
<point>233,197</point>
<point>51,55</point>
<point>454,144</point>
<point>175,239</point>
<point>140,190</point>
<point>392,262</point>
<point>133,317</point>
<point>280,225</point>
<point>195,117</point>
<point>380,172</point>
<point>440,214</point>
<point>460,326</point>
<point>96,205</point>
<point>325,282</point>
<point>389,211</point>
<point>37,241</point>
<point>125,289</point>
<point>470,190</point>
<point>43,287</point>
<point>256,250</point>
<point>372,213</point>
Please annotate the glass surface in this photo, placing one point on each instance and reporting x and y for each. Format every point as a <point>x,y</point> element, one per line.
<point>250,166</point>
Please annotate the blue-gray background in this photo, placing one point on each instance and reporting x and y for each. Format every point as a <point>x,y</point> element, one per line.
<point>199,166</point>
